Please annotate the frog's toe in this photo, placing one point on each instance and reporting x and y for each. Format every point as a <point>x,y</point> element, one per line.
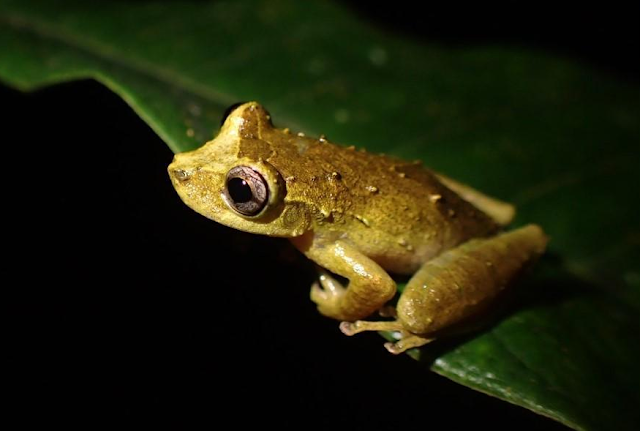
<point>406,340</point>
<point>326,293</point>
<point>318,294</point>
<point>406,343</point>
<point>348,328</point>
<point>330,284</point>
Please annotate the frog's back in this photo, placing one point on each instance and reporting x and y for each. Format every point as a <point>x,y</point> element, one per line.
<point>396,212</point>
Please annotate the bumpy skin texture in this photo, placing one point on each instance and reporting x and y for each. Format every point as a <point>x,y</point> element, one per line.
<point>354,213</point>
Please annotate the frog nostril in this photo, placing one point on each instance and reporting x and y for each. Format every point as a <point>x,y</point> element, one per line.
<point>181,174</point>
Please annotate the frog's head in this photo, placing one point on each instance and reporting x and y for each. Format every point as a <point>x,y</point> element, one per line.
<point>230,180</point>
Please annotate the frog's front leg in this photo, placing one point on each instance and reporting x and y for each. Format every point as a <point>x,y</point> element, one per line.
<point>457,285</point>
<point>370,287</point>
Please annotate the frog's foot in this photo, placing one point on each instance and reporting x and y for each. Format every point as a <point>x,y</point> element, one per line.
<point>406,340</point>
<point>327,294</point>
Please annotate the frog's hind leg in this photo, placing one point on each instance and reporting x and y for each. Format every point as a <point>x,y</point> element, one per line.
<point>407,340</point>
<point>456,287</point>
<point>501,212</point>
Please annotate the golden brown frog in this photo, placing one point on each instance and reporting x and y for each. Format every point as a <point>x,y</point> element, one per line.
<point>359,215</point>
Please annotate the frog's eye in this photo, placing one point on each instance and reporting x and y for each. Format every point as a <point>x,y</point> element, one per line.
<point>246,191</point>
<point>229,110</point>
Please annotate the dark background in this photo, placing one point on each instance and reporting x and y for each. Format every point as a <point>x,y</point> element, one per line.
<point>127,307</point>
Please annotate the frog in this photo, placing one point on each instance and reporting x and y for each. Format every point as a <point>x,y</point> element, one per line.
<point>364,219</point>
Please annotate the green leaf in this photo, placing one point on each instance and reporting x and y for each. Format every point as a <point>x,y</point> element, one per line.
<point>558,139</point>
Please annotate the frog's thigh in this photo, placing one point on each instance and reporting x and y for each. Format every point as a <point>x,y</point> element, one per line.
<point>499,211</point>
<point>370,287</point>
<point>461,282</point>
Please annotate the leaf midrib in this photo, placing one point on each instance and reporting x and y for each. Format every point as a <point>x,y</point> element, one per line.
<point>93,48</point>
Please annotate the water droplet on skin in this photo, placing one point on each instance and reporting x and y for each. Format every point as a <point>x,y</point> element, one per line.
<point>301,134</point>
<point>403,242</point>
<point>372,189</point>
<point>322,139</point>
<point>435,198</point>
<point>290,179</point>
<point>336,176</point>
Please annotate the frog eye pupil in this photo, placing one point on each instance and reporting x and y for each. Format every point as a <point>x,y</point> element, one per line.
<point>239,190</point>
<point>246,191</point>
